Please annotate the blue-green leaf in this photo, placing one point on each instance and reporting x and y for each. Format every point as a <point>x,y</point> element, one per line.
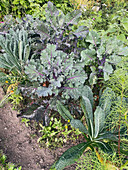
<point>63,111</point>
<point>43,91</point>
<point>70,156</point>
<point>93,38</point>
<point>105,101</point>
<point>72,17</point>
<point>77,124</point>
<point>107,135</point>
<point>88,56</point>
<point>99,118</point>
<point>81,31</point>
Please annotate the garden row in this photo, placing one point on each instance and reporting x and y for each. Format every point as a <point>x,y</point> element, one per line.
<point>75,64</point>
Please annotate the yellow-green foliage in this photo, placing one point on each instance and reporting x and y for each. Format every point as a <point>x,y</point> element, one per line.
<point>19,8</point>
<point>119,84</point>
<point>87,4</point>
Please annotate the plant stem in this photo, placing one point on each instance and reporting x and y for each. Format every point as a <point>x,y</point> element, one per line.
<point>119,139</point>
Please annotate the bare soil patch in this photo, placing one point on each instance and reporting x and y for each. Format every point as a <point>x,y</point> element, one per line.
<point>19,147</point>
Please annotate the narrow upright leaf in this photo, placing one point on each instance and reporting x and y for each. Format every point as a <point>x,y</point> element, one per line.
<point>87,109</point>
<point>99,118</point>
<point>63,111</point>
<point>77,124</point>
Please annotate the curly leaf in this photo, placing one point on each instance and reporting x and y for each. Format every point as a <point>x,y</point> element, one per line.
<point>43,91</point>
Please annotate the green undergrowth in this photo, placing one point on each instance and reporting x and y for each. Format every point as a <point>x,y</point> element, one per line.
<point>55,135</point>
<point>5,165</point>
<point>90,161</point>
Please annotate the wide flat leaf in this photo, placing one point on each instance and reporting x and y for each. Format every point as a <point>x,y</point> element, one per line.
<point>93,38</point>
<point>43,29</point>
<point>81,32</point>
<point>125,23</point>
<point>51,15</point>
<point>77,124</point>
<point>88,56</point>
<point>70,156</point>
<point>72,17</point>
<point>99,118</point>
<point>123,51</point>
<point>63,111</point>
<point>107,71</point>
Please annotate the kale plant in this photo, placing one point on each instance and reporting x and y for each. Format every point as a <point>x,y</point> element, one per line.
<point>94,128</point>
<point>57,29</point>
<point>56,73</point>
<point>14,54</point>
<point>56,76</point>
<point>102,55</point>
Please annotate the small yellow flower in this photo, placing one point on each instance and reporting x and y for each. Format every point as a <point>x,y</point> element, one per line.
<point>6,81</point>
<point>12,91</point>
<point>68,121</point>
<point>66,127</point>
<point>12,87</point>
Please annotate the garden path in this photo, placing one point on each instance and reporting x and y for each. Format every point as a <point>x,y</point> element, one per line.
<point>18,145</point>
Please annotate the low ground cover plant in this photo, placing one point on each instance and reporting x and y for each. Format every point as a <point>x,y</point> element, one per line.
<point>57,134</point>
<point>90,161</point>
<point>4,165</point>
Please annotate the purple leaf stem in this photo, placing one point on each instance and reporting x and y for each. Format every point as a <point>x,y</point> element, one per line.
<point>72,19</point>
<point>66,59</point>
<point>39,73</point>
<point>46,108</point>
<point>66,68</point>
<point>68,88</point>
<point>3,33</point>
<point>72,77</point>
<point>90,57</point>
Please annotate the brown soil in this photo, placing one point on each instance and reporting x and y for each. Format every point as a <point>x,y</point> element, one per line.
<point>19,147</point>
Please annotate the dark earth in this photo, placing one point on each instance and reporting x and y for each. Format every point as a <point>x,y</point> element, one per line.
<point>18,145</point>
